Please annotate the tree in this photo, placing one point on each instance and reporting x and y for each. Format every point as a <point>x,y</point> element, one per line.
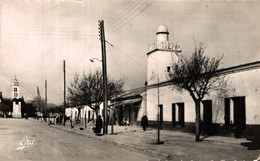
<point>38,103</point>
<point>88,90</point>
<point>224,90</point>
<point>197,75</point>
<point>6,106</point>
<point>29,109</point>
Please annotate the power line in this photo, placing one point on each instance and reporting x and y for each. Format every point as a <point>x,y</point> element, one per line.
<point>128,56</point>
<point>147,5</point>
<point>121,8</point>
<point>55,35</point>
<point>125,12</point>
<point>7,78</point>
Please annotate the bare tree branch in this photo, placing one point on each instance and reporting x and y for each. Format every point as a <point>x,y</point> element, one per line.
<point>88,90</point>
<point>197,75</point>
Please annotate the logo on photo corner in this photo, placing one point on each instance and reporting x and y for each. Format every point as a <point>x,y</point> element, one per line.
<point>25,143</point>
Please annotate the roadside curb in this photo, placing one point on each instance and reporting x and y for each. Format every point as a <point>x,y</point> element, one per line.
<point>127,146</point>
<point>166,155</point>
<point>208,140</point>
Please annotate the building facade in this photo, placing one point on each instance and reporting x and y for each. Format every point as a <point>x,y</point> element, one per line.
<point>85,113</point>
<point>235,107</point>
<point>129,107</point>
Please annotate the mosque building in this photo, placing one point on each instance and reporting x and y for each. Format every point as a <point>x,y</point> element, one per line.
<point>234,108</point>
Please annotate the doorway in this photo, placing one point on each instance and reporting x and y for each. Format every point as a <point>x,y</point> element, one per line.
<point>235,114</point>
<point>161,116</point>
<point>178,114</point>
<point>207,113</point>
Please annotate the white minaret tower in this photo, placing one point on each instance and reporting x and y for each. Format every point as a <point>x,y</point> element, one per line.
<point>16,100</point>
<point>160,55</point>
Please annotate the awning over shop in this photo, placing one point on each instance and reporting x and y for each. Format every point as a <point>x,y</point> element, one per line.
<point>126,102</point>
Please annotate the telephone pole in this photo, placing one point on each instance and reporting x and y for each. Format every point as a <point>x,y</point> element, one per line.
<point>64,71</point>
<point>45,98</point>
<point>104,71</point>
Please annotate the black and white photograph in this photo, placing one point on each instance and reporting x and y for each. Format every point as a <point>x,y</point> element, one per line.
<point>129,80</point>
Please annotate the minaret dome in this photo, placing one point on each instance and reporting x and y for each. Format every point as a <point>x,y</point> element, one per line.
<point>162,33</point>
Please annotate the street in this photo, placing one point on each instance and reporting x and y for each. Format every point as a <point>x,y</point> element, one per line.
<point>27,140</point>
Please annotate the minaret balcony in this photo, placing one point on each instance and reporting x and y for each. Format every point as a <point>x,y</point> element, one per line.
<point>164,45</point>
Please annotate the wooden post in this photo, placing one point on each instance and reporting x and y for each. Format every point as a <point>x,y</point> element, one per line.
<point>45,99</point>
<point>104,71</point>
<point>64,70</point>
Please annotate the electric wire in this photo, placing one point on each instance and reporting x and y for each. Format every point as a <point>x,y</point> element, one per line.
<point>116,29</point>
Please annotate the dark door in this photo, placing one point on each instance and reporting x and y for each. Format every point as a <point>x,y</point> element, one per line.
<point>207,113</point>
<point>227,112</point>
<point>130,115</point>
<point>120,116</point>
<point>181,114</point>
<point>173,115</point>
<point>161,115</point>
<point>135,115</point>
<point>88,116</point>
<point>239,112</point>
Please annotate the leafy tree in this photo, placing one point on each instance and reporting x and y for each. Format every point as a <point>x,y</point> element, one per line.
<point>88,90</point>
<point>197,75</point>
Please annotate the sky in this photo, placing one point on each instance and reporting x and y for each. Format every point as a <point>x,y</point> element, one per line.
<point>37,35</point>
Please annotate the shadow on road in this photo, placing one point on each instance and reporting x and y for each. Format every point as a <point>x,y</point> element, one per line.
<point>254,144</point>
<point>204,137</point>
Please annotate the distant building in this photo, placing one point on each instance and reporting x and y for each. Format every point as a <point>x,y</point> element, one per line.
<point>17,104</point>
<point>85,112</point>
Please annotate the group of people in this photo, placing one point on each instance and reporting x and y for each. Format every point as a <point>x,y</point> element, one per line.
<point>99,123</point>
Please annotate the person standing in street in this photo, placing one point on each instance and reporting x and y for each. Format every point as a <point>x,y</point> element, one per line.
<point>98,125</point>
<point>144,122</point>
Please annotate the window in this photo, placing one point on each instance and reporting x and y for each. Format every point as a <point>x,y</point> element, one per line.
<point>168,68</point>
<point>15,89</point>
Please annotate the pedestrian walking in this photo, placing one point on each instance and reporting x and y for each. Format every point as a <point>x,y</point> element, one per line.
<point>98,125</point>
<point>144,122</point>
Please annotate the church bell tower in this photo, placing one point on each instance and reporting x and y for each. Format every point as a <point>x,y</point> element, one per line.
<point>16,100</point>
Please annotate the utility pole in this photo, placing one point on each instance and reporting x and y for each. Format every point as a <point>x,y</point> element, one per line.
<point>112,123</point>
<point>64,71</point>
<point>159,112</point>
<point>104,71</point>
<point>85,119</point>
<point>38,108</point>
<point>45,98</point>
